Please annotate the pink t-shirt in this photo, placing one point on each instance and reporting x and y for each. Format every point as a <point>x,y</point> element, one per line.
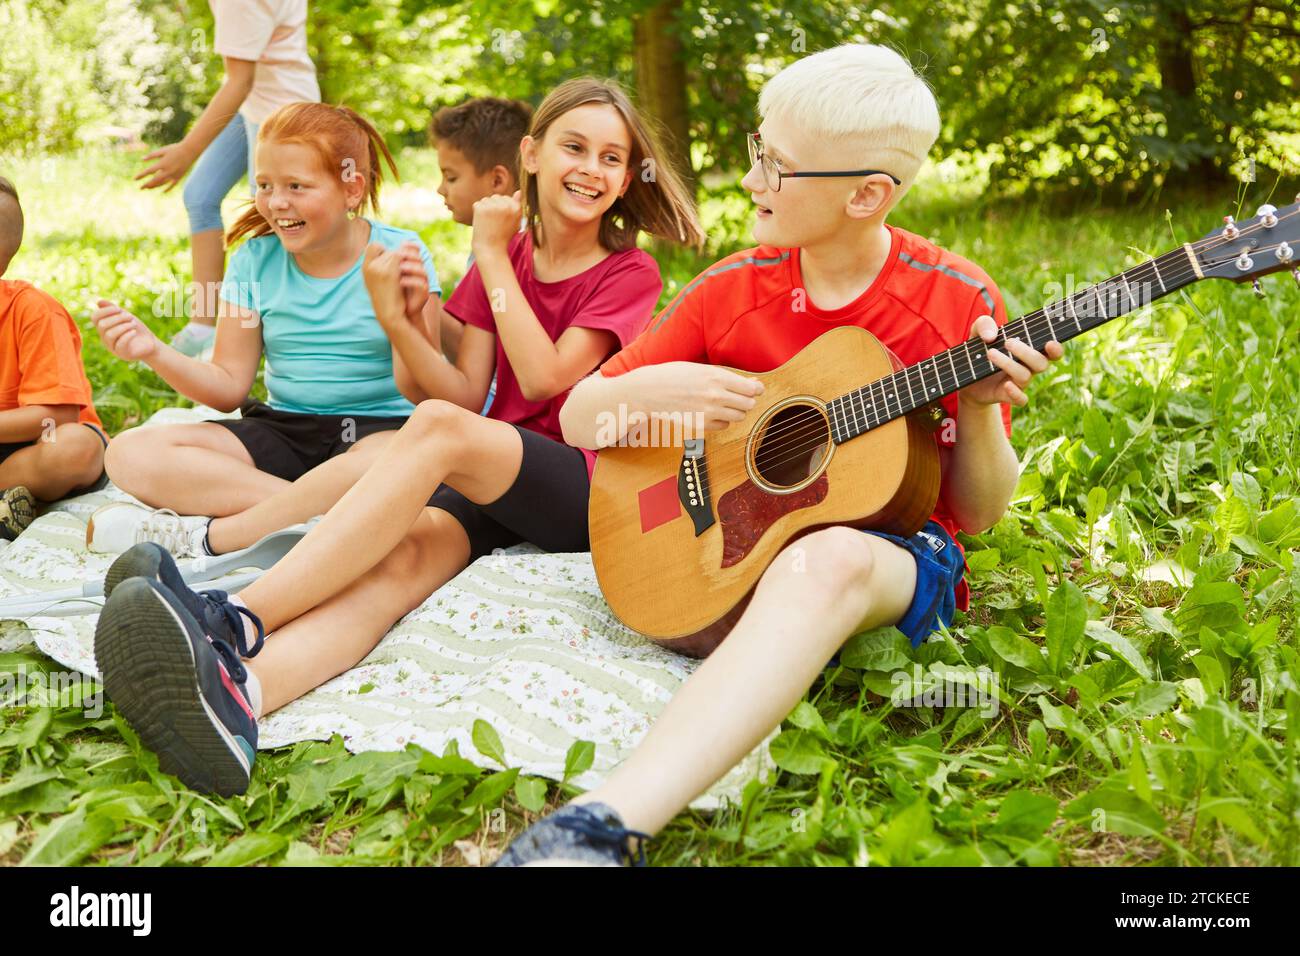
<point>272,34</point>
<point>617,294</point>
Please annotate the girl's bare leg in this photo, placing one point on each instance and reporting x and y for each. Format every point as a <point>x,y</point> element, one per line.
<point>440,442</point>
<point>312,494</point>
<point>336,634</point>
<point>200,469</point>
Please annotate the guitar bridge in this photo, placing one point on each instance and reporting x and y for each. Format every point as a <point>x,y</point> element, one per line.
<point>693,486</point>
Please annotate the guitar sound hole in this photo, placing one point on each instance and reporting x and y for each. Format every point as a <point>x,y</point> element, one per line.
<point>792,446</point>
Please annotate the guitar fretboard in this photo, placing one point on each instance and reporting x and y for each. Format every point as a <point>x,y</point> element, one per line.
<point>931,379</point>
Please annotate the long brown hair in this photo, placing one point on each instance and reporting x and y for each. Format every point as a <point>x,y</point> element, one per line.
<point>340,136</point>
<point>658,203</point>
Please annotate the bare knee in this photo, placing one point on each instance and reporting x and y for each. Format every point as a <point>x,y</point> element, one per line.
<point>839,556</point>
<point>837,561</point>
<point>77,453</point>
<point>128,453</point>
<point>436,417</point>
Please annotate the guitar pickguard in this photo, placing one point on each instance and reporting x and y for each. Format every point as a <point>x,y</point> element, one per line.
<point>747,511</point>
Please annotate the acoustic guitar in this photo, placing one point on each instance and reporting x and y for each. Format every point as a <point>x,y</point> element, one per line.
<point>843,434</point>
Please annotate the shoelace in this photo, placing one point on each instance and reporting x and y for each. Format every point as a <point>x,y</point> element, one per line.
<point>164,526</point>
<point>234,666</point>
<point>218,604</point>
<point>615,837</point>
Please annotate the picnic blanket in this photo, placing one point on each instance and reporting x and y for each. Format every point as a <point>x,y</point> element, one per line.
<point>521,639</point>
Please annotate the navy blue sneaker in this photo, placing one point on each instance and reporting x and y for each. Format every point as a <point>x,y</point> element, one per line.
<point>586,834</point>
<point>152,561</point>
<point>211,607</point>
<point>178,681</point>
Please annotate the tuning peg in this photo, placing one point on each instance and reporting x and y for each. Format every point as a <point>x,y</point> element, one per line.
<point>1258,289</point>
<point>1295,274</point>
<point>1284,252</point>
<point>1267,215</point>
<point>1230,227</point>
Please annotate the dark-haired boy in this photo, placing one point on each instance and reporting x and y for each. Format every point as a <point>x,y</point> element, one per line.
<point>478,155</point>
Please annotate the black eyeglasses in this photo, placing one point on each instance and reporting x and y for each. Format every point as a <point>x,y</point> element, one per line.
<point>773,176</point>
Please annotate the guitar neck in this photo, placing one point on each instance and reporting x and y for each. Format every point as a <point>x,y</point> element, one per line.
<point>931,379</point>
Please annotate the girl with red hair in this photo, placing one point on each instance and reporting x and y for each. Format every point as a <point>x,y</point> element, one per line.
<point>293,292</point>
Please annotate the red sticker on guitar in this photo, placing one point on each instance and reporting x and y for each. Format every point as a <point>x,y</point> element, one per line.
<point>659,504</point>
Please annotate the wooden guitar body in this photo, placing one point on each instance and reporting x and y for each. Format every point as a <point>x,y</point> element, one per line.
<point>681,532</point>
<point>682,579</point>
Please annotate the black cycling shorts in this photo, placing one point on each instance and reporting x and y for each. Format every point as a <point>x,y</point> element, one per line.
<point>290,444</point>
<point>546,506</point>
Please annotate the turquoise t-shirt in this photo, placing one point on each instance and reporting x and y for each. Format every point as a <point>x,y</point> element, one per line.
<point>326,353</point>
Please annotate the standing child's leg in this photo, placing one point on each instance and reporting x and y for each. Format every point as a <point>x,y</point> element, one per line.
<point>216,171</point>
<point>817,593</point>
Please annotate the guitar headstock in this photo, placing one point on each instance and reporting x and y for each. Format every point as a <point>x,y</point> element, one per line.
<point>1241,251</point>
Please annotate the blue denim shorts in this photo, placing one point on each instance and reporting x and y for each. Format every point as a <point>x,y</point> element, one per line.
<point>939,567</point>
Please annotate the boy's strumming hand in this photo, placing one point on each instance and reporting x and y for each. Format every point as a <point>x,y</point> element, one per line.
<point>496,220</point>
<point>123,334</point>
<point>718,396</point>
<point>1018,367</point>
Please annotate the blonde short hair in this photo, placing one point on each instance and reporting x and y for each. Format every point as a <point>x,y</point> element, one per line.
<point>866,96</point>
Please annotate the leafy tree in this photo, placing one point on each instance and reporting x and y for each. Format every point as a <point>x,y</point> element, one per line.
<point>1107,95</point>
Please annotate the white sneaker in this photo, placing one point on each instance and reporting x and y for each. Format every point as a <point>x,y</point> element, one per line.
<point>120,526</point>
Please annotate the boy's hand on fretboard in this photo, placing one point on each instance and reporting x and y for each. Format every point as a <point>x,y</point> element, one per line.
<point>1018,367</point>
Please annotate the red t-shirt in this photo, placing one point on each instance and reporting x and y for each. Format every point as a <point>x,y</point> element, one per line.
<point>617,294</point>
<point>743,312</point>
<point>40,352</point>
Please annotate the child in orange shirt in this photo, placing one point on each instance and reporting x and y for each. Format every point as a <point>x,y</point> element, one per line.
<point>51,440</point>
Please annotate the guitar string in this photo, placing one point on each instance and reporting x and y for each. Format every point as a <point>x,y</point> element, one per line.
<point>794,447</point>
<point>1034,324</point>
<point>779,440</point>
<point>1109,285</point>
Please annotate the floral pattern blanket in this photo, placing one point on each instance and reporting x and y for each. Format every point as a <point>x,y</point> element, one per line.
<point>521,639</point>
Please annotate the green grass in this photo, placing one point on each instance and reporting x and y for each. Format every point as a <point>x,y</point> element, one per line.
<point>1137,604</point>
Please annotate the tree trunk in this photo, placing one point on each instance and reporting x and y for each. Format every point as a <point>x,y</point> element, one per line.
<point>1186,122</point>
<point>661,79</point>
